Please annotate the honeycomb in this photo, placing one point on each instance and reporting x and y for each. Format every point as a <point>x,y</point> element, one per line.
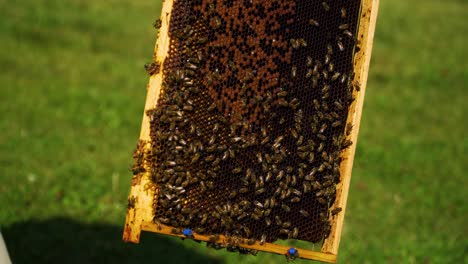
<point>247,132</point>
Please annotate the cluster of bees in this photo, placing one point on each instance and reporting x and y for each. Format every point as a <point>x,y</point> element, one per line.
<point>247,135</point>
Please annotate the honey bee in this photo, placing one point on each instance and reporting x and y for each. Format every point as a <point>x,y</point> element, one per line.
<point>295,200</point>
<point>216,215</point>
<point>258,204</point>
<point>259,157</point>
<point>191,66</point>
<point>295,232</point>
<point>131,202</point>
<point>315,81</point>
<point>186,211</point>
<point>340,45</point>
<point>326,230</point>
<point>325,74</point>
<point>195,158</point>
<point>278,221</point>
<point>343,78</point>
<point>225,155</point>
<point>204,219</point>
<point>212,107</point>
<point>306,187</point>
<point>237,170</point>
<point>210,158</point>
<point>329,49</point>
<point>164,220</point>
<point>293,71</point>
<point>327,58</point>
<point>255,216</point>
<point>300,140</point>
<point>280,175</point>
<point>211,148</point>
<point>300,172</point>
<point>343,26</point>
<point>152,68</point>
<point>322,200</point>
<point>282,94</point>
<point>304,213</point>
<point>357,85</point>
<point>325,6</point>
<point>294,133</point>
<point>335,76</point>
<point>319,193</point>
<point>295,192</point>
<point>336,123</point>
<point>260,191</point>
<point>346,143</point>
<point>309,73</point>
<point>316,185</point>
<point>263,239</point>
<point>338,105</point>
<point>157,23</point>
<point>294,43</point>
<point>272,202</point>
<point>322,167</point>
<point>321,146</point>
<point>213,238</point>
<point>217,22</point>
<point>313,22</point>
<point>202,40</point>
<point>268,176</point>
<point>302,42</point>
<point>349,128</point>
<point>157,223</point>
<point>203,186</point>
<point>325,88</point>
<point>348,33</point>
<point>176,231</point>
<point>343,12</point>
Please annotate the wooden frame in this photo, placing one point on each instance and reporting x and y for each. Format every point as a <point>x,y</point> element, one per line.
<point>142,192</point>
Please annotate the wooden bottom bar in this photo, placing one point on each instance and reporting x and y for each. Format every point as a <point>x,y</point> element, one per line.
<point>266,247</point>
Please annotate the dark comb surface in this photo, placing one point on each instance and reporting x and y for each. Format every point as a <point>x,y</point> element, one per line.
<point>247,134</point>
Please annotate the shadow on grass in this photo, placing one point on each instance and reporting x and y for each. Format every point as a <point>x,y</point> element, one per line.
<point>61,240</point>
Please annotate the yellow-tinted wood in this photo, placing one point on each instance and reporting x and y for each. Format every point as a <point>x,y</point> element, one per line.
<point>361,68</point>
<point>267,247</point>
<point>142,190</point>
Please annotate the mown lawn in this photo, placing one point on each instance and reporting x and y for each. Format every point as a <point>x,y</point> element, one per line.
<point>72,95</point>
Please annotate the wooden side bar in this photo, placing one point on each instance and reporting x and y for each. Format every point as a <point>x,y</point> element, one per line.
<point>362,58</point>
<point>142,190</point>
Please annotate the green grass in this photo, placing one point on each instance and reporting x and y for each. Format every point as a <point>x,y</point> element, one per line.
<point>72,96</point>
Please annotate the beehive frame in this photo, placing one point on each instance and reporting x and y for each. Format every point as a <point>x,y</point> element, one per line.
<point>140,211</point>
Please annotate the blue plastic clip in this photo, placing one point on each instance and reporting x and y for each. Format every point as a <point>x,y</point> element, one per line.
<point>293,252</point>
<point>187,232</point>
